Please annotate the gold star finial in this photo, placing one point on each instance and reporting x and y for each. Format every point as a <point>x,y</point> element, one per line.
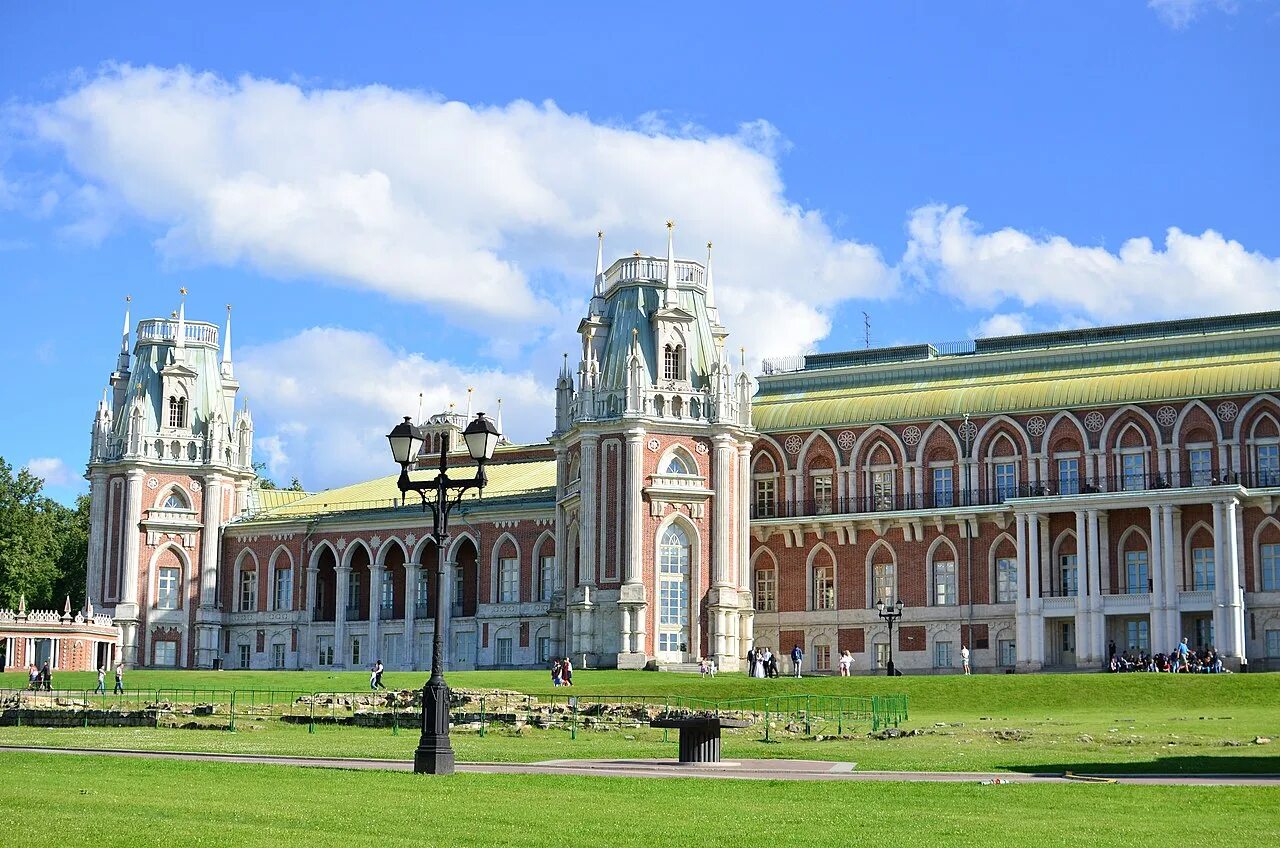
<point>599,233</point>
<point>128,298</point>
<point>183,291</point>
<point>670,224</point>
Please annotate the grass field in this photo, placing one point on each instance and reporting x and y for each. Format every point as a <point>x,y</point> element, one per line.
<point>1087,723</point>
<point>86,801</point>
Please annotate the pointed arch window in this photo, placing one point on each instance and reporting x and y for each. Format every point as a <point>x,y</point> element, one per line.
<point>944,583</point>
<point>678,465</point>
<point>673,362</point>
<point>167,588</point>
<point>175,501</point>
<point>177,412</point>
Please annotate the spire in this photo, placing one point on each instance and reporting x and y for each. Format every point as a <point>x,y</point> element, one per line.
<point>498,422</point>
<point>88,606</point>
<point>669,299</point>
<point>181,341</point>
<point>226,347</point>
<point>711,295</point>
<point>124,335</point>
<point>470,389</point>
<point>599,290</point>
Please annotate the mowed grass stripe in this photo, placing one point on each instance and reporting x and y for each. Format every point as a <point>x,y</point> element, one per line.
<point>84,801</point>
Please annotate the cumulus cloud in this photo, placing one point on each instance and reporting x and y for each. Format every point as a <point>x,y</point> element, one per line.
<point>1178,14</point>
<point>490,209</point>
<point>1010,271</point>
<point>52,470</point>
<point>1003,324</point>
<point>332,394</point>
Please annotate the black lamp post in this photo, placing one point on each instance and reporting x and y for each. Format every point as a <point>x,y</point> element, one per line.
<point>434,754</point>
<point>890,613</point>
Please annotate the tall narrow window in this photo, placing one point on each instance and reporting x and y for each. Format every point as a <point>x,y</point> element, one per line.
<point>1068,575</point>
<point>1138,635</point>
<point>1136,572</point>
<point>766,598</point>
<point>1202,569</point>
<point>1069,476</point>
<point>248,591</point>
<point>508,580</point>
<point>943,486</point>
<point>177,412</point>
<point>1006,480</point>
<point>1134,466</point>
<point>672,364</point>
<point>353,595</point>
<point>546,577</point>
<point>942,654</point>
<point>673,591</point>
<point>822,494</point>
<point>944,583</point>
<point>388,591</point>
<point>167,654</point>
<point>422,601</point>
<point>1006,580</point>
<point>167,590</point>
<point>882,490</point>
<point>1270,556</point>
<point>1200,461</point>
<point>824,588</point>
<point>765,499</point>
<point>884,586</point>
<point>283,595</point>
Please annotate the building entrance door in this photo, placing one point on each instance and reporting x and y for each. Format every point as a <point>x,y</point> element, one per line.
<point>1065,643</point>
<point>673,596</point>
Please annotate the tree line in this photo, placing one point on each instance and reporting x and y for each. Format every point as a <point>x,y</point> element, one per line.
<point>44,545</point>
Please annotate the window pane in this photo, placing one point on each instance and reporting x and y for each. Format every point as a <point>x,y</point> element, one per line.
<point>1135,471</point>
<point>765,597</point>
<point>944,583</point>
<point>1202,569</point>
<point>1006,477</point>
<point>824,589</point>
<point>1006,580</point>
<point>1269,465</point>
<point>1067,575</point>
<point>1136,572</point>
<point>883,587</point>
<point>882,489</point>
<point>547,578</point>
<point>1200,461</point>
<point>943,487</point>
<point>822,494</point>
<point>1270,568</point>
<point>1069,476</point>
<point>765,498</point>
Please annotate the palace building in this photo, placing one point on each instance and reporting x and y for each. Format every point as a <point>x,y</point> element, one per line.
<point>1036,498</point>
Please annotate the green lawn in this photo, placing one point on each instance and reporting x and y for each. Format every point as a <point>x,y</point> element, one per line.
<point>85,801</point>
<point>1089,723</point>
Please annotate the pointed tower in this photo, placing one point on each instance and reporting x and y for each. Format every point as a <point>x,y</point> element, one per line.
<point>650,476</point>
<point>166,474</point>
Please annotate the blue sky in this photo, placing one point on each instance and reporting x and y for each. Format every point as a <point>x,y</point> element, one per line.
<point>406,201</point>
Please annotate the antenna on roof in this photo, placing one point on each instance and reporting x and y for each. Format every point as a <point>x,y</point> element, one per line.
<point>866,329</point>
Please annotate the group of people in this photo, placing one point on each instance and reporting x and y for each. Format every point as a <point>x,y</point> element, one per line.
<point>562,673</point>
<point>1181,660</point>
<point>39,678</point>
<point>762,662</point>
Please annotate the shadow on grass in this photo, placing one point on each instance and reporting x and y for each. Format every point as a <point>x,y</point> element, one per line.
<point>1189,766</point>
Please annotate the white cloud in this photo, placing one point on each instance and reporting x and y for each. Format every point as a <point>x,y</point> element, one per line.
<point>1003,324</point>
<point>448,203</point>
<point>52,470</point>
<point>1178,14</point>
<point>1011,271</point>
<point>326,398</point>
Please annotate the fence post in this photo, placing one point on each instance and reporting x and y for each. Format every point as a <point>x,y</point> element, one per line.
<point>666,708</point>
<point>231,724</point>
<point>766,719</point>
<point>573,722</point>
<point>395,717</point>
<point>311,725</point>
<point>482,716</point>
<point>808,715</point>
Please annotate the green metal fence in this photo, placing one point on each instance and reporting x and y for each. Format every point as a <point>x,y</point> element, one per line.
<point>472,710</point>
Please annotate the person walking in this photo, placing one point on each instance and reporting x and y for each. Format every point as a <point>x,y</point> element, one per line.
<point>557,673</point>
<point>119,690</point>
<point>797,660</point>
<point>33,677</point>
<point>964,658</point>
<point>846,660</point>
<point>46,677</point>
<point>566,672</point>
<point>378,668</point>
<point>102,681</point>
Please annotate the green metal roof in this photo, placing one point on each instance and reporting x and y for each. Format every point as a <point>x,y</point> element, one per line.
<point>959,391</point>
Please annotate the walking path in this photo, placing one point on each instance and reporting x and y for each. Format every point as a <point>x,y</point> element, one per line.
<point>738,770</point>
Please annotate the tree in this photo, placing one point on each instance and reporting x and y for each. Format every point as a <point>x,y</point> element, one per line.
<point>71,530</point>
<point>29,543</point>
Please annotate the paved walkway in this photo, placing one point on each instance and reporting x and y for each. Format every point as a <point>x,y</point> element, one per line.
<point>737,770</point>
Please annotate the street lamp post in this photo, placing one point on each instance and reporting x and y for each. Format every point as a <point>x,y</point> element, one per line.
<point>434,754</point>
<point>890,613</point>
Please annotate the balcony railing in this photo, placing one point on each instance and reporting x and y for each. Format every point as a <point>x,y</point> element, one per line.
<point>990,497</point>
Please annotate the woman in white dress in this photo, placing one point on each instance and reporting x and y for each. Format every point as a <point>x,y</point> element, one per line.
<point>757,667</point>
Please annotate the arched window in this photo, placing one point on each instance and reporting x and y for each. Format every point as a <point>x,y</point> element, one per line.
<point>167,588</point>
<point>944,580</point>
<point>673,362</point>
<point>248,591</point>
<point>766,588</point>
<point>177,412</point>
<point>824,585</point>
<point>175,500</point>
<point>282,596</point>
<point>673,591</point>
<point>677,465</point>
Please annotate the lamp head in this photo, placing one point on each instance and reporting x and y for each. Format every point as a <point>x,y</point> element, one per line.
<point>404,442</point>
<point>481,437</point>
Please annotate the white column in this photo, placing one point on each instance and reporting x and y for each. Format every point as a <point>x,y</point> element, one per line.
<point>721,514</point>
<point>624,632</point>
<point>209,541</point>
<point>340,654</point>
<point>741,572</point>
<point>590,502</point>
<point>1235,576</point>
<point>1022,630</point>
<point>1221,575</point>
<point>1084,642</point>
<point>1035,620</point>
<point>412,574</point>
<point>632,567</point>
<point>1097,618</point>
<point>307,649</point>
<point>94,582</point>
<point>133,517</point>
<point>377,573</point>
<point>1157,576</point>
<point>1172,580</point>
